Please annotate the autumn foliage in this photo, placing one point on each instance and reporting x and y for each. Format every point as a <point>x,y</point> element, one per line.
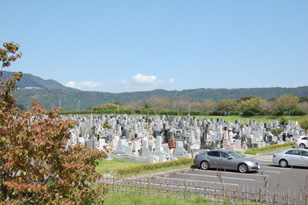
<point>35,167</point>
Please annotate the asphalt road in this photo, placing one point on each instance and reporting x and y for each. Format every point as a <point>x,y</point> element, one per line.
<point>287,179</point>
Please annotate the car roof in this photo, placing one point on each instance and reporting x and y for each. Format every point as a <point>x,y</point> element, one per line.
<point>221,149</point>
<point>297,149</point>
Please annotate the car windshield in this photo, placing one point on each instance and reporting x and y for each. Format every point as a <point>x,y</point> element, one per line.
<point>235,155</point>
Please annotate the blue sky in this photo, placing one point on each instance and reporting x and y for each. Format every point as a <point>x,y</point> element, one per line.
<point>125,46</point>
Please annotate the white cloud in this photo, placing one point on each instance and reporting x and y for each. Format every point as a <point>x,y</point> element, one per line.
<point>123,82</point>
<point>138,82</point>
<point>85,85</point>
<point>296,84</point>
<point>171,80</point>
<point>144,79</point>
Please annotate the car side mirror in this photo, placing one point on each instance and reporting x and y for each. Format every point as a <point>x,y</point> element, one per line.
<point>230,157</point>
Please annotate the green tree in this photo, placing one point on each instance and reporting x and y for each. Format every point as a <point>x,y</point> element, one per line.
<point>35,167</point>
<point>246,98</point>
<point>303,99</point>
<point>270,105</point>
<point>251,106</point>
<point>226,105</point>
<point>304,125</point>
<point>303,106</point>
<point>288,102</point>
<point>147,105</point>
<point>207,105</point>
<point>283,121</point>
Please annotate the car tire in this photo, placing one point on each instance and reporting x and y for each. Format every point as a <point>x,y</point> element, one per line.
<point>283,163</point>
<point>302,145</point>
<point>204,165</point>
<point>243,168</point>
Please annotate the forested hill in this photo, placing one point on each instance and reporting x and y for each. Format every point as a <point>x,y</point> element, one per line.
<point>31,81</point>
<point>52,94</point>
<point>50,97</point>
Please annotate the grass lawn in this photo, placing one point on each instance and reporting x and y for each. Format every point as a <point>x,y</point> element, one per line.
<point>270,148</point>
<point>123,199</point>
<point>258,119</point>
<point>106,166</point>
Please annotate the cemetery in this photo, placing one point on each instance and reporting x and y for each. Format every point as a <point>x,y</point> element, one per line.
<point>152,139</point>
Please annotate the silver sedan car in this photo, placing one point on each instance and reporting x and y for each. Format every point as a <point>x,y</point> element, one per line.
<point>226,159</point>
<point>291,157</point>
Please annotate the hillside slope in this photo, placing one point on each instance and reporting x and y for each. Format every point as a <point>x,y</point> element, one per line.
<point>29,80</point>
<point>53,94</point>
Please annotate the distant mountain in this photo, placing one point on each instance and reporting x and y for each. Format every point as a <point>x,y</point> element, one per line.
<point>52,94</point>
<point>31,81</point>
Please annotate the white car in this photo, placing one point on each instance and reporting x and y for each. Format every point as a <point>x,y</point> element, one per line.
<point>291,157</point>
<point>302,142</point>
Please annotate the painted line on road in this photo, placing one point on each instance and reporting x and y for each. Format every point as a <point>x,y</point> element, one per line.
<point>270,171</point>
<point>268,167</point>
<point>176,179</point>
<point>236,173</point>
<point>265,161</point>
<point>211,189</point>
<point>224,177</point>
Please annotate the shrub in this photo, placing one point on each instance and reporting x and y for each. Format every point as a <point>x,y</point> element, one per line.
<point>35,167</point>
<point>304,125</point>
<point>147,167</point>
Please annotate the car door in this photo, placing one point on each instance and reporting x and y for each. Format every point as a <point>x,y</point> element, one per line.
<point>293,158</point>
<point>214,159</point>
<point>304,158</point>
<point>226,161</point>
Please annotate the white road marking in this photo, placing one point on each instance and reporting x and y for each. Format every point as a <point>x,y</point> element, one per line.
<point>270,171</point>
<point>183,187</point>
<point>268,167</point>
<point>191,180</point>
<point>224,177</point>
<point>227,173</point>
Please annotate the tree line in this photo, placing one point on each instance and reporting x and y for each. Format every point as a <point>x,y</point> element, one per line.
<point>245,106</point>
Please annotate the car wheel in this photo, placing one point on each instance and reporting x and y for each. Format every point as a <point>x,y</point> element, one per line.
<point>204,165</point>
<point>243,168</point>
<point>283,163</point>
<point>302,146</point>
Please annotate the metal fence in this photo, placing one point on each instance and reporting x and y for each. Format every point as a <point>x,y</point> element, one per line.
<point>211,191</point>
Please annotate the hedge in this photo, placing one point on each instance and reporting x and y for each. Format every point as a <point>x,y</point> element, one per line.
<point>156,166</point>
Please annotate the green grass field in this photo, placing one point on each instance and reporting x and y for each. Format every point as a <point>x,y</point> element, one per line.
<point>106,166</point>
<point>270,148</point>
<point>123,199</point>
<point>258,119</point>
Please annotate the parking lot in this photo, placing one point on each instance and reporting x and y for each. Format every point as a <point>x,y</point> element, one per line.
<point>284,179</point>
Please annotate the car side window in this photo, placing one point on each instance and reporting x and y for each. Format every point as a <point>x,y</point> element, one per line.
<point>304,138</point>
<point>214,154</point>
<point>224,155</point>
<point>292,152</point>
<point>304,153</point>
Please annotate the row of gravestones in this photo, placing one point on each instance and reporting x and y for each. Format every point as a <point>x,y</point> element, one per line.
<point>133,137</point>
